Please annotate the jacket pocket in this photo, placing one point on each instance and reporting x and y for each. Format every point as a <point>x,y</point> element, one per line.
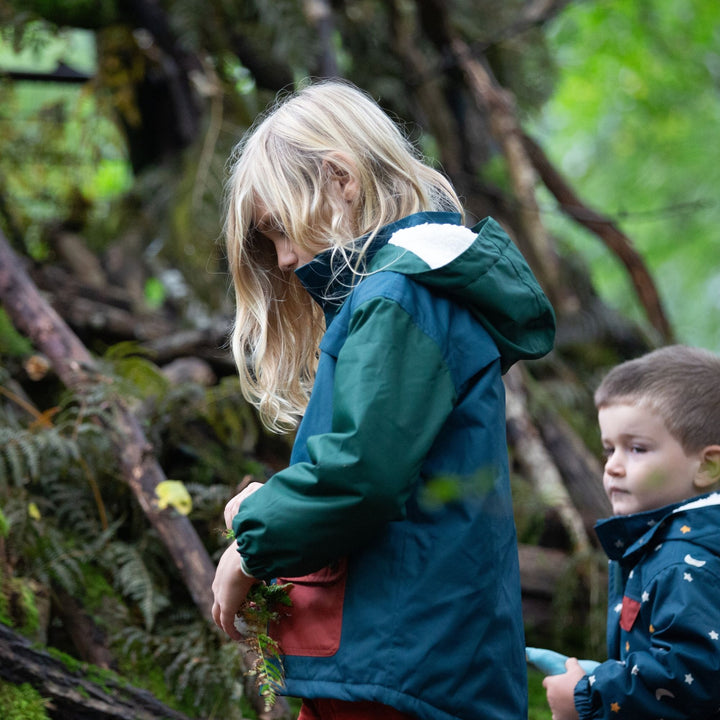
<point>629,613</point>
<point>314,623</point>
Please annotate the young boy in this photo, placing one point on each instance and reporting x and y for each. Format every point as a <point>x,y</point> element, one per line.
<point>659,418</point>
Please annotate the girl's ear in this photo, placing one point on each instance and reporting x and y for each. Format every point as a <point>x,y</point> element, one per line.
<point>709,471</point>
<point>340,170</point>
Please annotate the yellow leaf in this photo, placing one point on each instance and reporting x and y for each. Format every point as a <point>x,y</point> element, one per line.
<point>172,493</point>
<point>33,511</point>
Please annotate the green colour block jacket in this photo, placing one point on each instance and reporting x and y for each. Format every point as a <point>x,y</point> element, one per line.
<point>394,519</point>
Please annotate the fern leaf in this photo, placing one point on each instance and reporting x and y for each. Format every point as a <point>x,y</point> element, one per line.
<point>15,463</point>
<point>29,451</point>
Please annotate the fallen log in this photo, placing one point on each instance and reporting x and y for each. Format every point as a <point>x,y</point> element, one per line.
<point>76,691</point>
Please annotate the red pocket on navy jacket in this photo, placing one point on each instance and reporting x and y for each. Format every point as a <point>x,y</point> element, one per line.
<point>313,624</point>
<point>629,612</point>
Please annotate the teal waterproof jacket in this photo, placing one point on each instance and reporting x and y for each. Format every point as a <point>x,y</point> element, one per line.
<point>396,510</point>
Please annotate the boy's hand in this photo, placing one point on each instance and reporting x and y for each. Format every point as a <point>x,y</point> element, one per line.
<point>560,691</point>
<point>233,505</point>
<point>229,588</point>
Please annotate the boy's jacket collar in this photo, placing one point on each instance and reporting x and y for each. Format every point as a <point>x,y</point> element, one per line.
<point>623,535</point>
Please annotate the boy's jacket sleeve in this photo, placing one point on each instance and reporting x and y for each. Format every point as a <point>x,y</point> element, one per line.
<point>393,391</point>
<point>677,675</point>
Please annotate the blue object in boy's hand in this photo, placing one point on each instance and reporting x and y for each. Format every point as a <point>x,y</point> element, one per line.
<point>550,662</point>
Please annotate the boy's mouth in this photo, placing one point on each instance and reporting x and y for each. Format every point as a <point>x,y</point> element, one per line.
<point>617,491</point>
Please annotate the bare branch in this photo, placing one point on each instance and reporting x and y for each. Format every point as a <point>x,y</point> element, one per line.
<point>606,229</point>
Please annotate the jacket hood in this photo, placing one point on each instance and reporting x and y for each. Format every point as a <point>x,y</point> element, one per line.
<point>479,268</point>
<point>695,521</point>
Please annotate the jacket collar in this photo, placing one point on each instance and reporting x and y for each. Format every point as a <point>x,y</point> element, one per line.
<point>624,535</point>
<point>329,278</point>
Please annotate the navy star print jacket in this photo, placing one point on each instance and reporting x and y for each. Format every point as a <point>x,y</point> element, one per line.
<point>663,616</point>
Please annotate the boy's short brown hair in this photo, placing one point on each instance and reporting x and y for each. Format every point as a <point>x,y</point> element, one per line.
<point>680,383</point>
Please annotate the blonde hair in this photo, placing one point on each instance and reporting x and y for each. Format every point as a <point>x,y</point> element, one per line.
<point>285,163</point>
<point>680,383</point>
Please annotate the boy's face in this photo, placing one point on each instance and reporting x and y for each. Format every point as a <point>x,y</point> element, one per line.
<point>645,467</point>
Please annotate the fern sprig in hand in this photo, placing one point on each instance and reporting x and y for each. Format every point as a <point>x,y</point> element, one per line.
<point>265,604</point>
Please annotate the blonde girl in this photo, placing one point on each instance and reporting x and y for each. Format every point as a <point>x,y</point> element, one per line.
<point>367,309</point>
<point>313,144</point>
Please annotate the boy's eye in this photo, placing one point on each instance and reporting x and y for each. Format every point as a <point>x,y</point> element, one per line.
<point>638,449</point>
<point>607,452</point>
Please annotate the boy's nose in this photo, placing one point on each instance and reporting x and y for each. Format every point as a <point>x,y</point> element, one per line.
<point>613,464</point>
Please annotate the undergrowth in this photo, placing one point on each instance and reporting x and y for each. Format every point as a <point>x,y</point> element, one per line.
<point>70,523</point>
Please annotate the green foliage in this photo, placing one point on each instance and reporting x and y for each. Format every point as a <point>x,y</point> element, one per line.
<point>134,374</point>
<point>22,702</point>
<point>633,124</point>
<point>214,429</point>
<point>183,664</point>
<point>61,157</point>
<point>11,342</point>
<point>266,604</point>
<point>69,521</point>
<point>538,708</point>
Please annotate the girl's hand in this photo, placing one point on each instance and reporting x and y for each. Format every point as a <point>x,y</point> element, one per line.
<point>560,691</point>
<point>229,588</point>
<point>233,504</point>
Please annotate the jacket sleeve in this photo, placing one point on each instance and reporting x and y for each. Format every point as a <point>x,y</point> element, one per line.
<point>676,675</point>
<point>392,393</point>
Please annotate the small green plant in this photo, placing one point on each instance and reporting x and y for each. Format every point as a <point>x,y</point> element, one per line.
<point>22,702</point>
<point>265,604</point>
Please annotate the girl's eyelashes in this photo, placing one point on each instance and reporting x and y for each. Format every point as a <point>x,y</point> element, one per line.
<point>269,224</point>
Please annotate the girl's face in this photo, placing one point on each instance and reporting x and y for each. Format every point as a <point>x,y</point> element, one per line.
<point>289,255</point>
<point>645,467</point>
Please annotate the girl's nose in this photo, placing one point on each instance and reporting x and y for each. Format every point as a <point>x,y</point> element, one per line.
<point>286,257</point>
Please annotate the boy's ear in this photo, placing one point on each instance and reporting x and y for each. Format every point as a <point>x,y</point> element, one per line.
<point>709,472</point>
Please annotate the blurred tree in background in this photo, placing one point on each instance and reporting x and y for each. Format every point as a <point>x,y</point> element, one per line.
<point>587,129</point>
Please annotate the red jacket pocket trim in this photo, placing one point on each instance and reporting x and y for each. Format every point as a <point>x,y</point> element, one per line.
<point>629,613</point>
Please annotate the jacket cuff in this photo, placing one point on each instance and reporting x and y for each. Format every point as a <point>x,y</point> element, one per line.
<point>583,698</point>
<point>243,568</point>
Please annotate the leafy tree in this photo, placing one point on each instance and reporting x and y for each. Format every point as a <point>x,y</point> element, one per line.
<point>632,122</point>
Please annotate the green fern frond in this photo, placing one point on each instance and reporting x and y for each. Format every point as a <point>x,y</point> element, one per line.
<point>15,464</point>
<point>58,563</point>
<point>265,603</point>
<point>73,506</point>
<point>28,450</point>
<point>197,664</point>
<point>134,580</point>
